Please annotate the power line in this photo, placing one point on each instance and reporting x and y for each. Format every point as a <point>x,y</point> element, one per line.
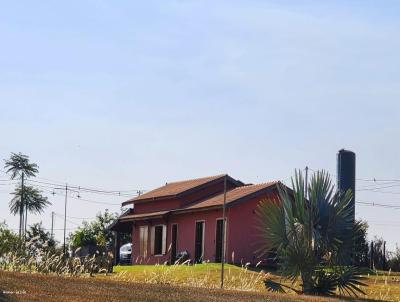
<point>82,199</point>
<point>378,188</point>
<point>385,192</point>
<point>369,179</point>
<point>97,202</point>
<point>378,180</point>
<point>73,217</point>
<point>62,216</point>
<point>85,190</point>
<point>372,185</point>
<point>82,188</point>
<point>383,205</point>
<point>55,183</point>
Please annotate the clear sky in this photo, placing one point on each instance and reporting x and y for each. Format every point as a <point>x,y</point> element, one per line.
<point>126,95</point>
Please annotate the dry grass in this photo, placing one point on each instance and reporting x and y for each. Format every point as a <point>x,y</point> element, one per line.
<point>168,283</point>
<point>40,287</point>
<point>199,275</point>
<point>382,286</point>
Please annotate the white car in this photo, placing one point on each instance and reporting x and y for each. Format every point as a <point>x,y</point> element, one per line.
<point>125,253</point>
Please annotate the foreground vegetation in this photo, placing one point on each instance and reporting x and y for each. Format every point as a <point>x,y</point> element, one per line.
<point>16,286</point>
<point>382,286</point>
<point>311,227</point>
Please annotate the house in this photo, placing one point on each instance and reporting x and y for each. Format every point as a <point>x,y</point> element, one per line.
<point>187,216</point>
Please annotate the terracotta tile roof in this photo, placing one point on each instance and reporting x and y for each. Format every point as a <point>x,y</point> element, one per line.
<point>173,189</point>
<point>232,195</point>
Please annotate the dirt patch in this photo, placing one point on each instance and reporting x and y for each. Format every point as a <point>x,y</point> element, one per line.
<point>38,287</point>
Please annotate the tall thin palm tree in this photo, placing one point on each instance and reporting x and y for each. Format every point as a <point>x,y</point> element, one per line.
<point>19,167</point>
<point>33,201</point>
<point>312,235</point>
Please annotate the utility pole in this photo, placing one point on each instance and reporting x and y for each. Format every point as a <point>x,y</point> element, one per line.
<point>67,189</point>
<point>306,183</point>
<point>65,214</point>
<point>310,231</point>
<point>26,220</point>
<point>384,255</point>
<point>52,225</point>
<point>22,206</point>
<point>223,235</point>
<point>372,255</point>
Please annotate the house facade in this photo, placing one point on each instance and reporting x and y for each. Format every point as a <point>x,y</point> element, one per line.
<point>186,216</point>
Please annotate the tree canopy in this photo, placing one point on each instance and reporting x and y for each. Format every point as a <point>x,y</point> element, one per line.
<point>19,164</point>
<point>95,232</point>
<point>33,200</point>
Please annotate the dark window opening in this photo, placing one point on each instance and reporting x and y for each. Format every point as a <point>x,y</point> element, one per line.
<point>158,234</point>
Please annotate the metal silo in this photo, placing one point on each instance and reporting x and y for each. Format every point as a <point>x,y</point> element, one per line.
<point>346,173</point>
<point>346,180</point>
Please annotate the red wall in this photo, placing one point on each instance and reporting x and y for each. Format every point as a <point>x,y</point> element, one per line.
<point>242,234</point>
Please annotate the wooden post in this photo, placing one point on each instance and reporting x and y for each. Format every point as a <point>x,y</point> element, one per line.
<point>117,244</point>
<point>21,208</point>
<point>371,254</point>
<point>52,225</point>
<point>65,216</point>
<point>223,235</point>
<point>384,255</point>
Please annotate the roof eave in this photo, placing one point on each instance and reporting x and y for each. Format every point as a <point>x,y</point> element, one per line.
<point>137,201</point>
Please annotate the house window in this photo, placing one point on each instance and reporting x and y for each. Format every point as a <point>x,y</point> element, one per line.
<point>158,239</point>
<point>143,231</point>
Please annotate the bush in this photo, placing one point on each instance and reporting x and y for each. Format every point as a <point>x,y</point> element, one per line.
<point>9,241</point>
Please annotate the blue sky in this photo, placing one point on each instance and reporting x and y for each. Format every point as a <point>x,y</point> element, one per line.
<point>133,94</point>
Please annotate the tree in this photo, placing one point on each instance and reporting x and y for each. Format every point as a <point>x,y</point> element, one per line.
<point>29,199</point>
<point>19,167</point>
<point>311,236</point>
<point>394,260</point>
<point>377,256</point>
<point>361,248</point>
<point>9,241</point>
<point>95,232</point>
<point>39,239</point>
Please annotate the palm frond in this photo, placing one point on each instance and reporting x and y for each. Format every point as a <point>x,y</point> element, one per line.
<point>33,201</point>
<point>349,280</point>
<point>272,225</point>
<point>273,286</point>
<point>18,163</point>
<point>312,237</point>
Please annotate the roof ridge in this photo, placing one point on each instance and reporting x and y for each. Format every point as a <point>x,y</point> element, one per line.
<point>258,184</point>
<point>198,178</point>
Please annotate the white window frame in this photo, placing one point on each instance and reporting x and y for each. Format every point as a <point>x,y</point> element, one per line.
<point>143,250</point>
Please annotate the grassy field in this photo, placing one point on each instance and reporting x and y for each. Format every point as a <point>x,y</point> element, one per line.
<point>382,286</point>
<point>45,288</point>
<point>169,283</point>
<point>198,275</point>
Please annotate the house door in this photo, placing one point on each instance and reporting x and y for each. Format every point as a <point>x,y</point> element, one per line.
<point>174,238</point>
<point>199,242</point>
<point>218,240</point>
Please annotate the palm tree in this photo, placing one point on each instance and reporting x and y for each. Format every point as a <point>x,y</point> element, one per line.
<point>19,167</point>
<point>33,201</point>
<point>312,235</point>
